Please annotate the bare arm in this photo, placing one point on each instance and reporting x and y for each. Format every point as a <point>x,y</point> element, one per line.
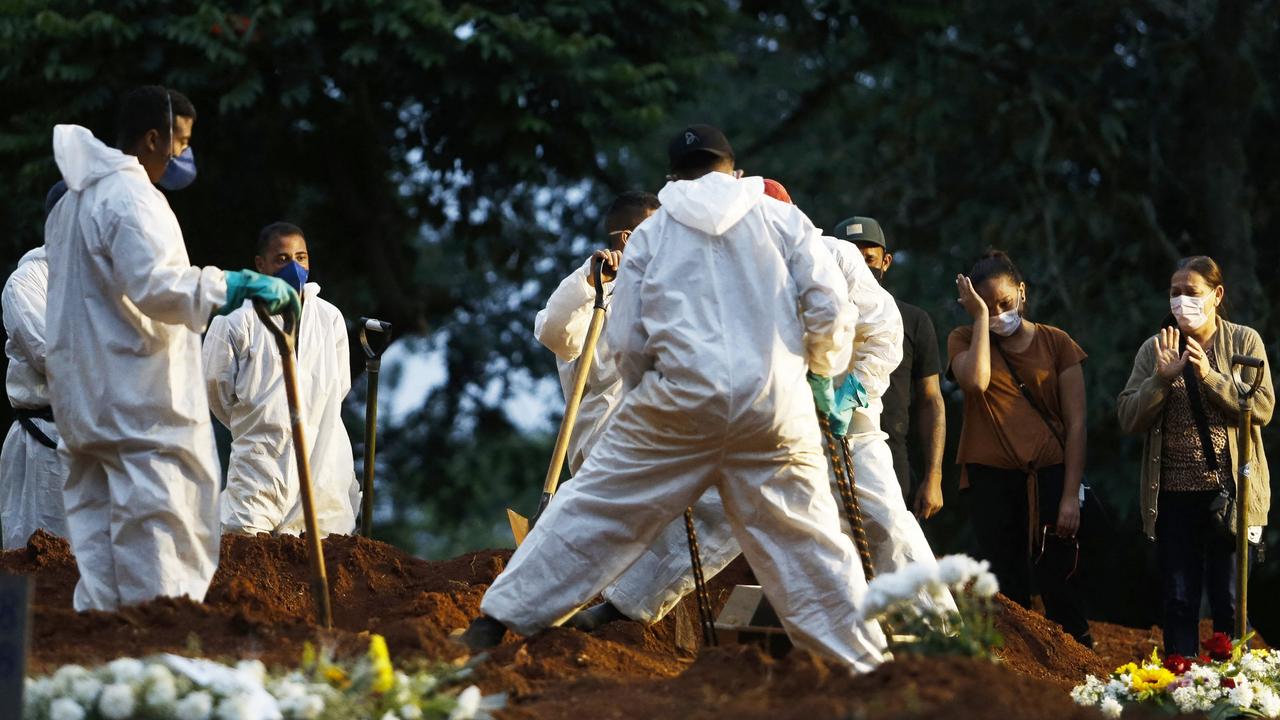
<point>1071,395</point>
<point>972,367</point>
<point>931,424</point>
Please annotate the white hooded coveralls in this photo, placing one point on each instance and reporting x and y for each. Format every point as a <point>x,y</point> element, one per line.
<point>713,355</point>
<point>126,309</point>
<point>31,473</point>
<point>562,327</point>
<point>652,587</point>
<point>245,382</point>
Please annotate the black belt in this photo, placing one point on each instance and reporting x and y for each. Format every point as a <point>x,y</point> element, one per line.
<point>25,419</point>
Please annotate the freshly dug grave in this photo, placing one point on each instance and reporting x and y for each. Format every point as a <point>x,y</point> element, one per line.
<point>259,606</point>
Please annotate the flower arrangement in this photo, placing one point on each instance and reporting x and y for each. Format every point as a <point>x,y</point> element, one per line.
<point>914,606</point>
<point>169,687</point>
<point>1227,680</point>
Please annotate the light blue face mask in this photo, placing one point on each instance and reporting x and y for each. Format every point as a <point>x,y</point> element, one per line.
<point>294,274</point>
<point>180,171</point>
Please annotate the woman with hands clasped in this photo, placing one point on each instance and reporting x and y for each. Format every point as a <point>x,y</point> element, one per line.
<point>1022,444</point>
<point>1181,394</point>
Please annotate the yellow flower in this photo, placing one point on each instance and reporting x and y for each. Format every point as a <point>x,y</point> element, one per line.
<point>1126,668</point>
<point>308,655</point>
<point>336,677</point>
<point>384,675</point>
<point>1151,679</point>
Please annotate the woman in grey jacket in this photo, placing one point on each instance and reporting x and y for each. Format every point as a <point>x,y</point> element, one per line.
<point>1182,395</point>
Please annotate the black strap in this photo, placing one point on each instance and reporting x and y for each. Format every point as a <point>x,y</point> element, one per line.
<point>1026,393</point>
<point>26,420</point>
<point>1196,402</point>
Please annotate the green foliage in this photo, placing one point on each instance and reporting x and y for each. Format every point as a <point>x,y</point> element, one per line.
<point>440,156</point>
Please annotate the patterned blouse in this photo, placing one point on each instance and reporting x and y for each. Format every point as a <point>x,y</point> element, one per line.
<point>1184,467</point>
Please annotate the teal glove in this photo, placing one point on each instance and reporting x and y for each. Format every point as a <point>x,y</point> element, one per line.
<point>248,285</point>
<point>824,396</point>
<point>849,397</point>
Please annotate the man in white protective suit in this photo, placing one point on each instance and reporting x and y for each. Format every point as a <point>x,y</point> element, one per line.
<point>126,309</point>
<point>723,298</point>
<point>562,325</point>
<point>245,381</point>
<point>31,472</point>
<point>655,583</point>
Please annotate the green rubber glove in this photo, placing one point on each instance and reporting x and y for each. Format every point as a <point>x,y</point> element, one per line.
<point>850,396</point>
<point>248,285</point>
<point>824,396</point>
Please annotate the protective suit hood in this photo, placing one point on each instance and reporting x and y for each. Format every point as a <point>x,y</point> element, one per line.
<point>84,159</point>
<point>713,203</point>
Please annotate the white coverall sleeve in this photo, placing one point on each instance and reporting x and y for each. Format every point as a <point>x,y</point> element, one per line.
<point>827,316</point>
<point>562,325</point>
<point>157,279</point>
<point>343,349</point>
<point>877,346</point>
<point>221,366</point>
<point>627,335</point>
<point>24,322</point>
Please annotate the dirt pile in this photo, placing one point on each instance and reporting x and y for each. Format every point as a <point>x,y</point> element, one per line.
<point>259,606</point>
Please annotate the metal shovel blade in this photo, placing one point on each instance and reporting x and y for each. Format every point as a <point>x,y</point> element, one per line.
<point>519,525</point>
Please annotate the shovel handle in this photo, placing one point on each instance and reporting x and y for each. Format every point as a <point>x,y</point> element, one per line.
<point>1247,361</point>
<point>597,271</point>
<point>1247,391</point>
<point>289,369</point>
<point>283,335</point>
<point>368,325</point>
<point>584,361</point>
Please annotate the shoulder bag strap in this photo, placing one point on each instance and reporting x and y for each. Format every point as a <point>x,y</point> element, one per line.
<point>1026,393</point>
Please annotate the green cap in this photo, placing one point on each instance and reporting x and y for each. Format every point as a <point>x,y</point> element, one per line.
<point>860,230</point>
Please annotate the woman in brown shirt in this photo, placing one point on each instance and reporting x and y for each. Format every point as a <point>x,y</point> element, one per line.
<point>1181,394</point>
<point>1022,445</point>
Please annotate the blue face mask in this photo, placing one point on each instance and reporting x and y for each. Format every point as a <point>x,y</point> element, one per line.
<point>294,274</point>
<point>180,172</point>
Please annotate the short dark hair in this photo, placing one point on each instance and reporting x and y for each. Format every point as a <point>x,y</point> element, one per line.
<point>52,197</point>
<point>698,163</point>
<point>275,230</point>
<point>146,108</point>
<point>629,210</point>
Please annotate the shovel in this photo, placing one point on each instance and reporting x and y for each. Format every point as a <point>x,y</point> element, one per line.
<point>521,526</point>
<point>372,365</point>
<point>1246,393</point>
<point>285,342</point>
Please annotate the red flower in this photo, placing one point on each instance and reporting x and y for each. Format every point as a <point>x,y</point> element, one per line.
<point>1228,682</point>
<point>1219,646</point>
<point>1204,659</point>
<point>1177,664</point>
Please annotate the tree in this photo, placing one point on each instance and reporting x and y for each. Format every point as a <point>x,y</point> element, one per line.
<point>443,157</point>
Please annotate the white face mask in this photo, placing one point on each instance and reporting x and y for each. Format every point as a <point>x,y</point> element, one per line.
<point>1006,323</point>
<point>1190,310</point>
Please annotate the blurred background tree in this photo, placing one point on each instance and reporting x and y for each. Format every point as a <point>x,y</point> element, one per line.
<point>450,161</point>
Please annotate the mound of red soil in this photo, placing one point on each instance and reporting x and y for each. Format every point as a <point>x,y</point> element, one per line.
<point>260,606</point>
<point>742,682</point>
<point>1037,647</point>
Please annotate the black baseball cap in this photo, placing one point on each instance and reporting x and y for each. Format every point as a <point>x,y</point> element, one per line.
<point>861,231</point>
<point>695,139</point>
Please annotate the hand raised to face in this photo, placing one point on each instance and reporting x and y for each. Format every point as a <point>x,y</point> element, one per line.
<point>969,299</point>
<point>1169,362</point>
